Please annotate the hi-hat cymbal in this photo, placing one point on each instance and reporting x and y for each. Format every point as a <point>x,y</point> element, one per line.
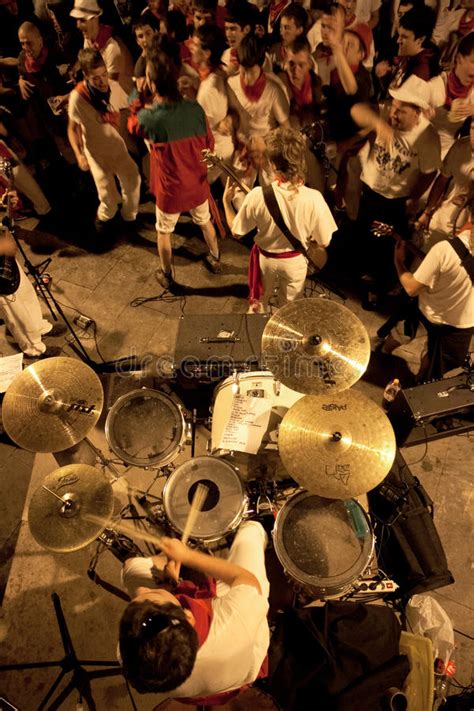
<point>52,404</point>
<point>59,509</point>
<point>315,346</point>
<point>337,446</point>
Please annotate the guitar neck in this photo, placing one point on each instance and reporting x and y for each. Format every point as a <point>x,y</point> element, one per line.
<point>212,159</point>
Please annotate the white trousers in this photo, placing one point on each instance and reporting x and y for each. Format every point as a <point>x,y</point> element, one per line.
<point>125,169</point>
<point>22,314</point>
<point>26,184</point>
<point>288,274</point>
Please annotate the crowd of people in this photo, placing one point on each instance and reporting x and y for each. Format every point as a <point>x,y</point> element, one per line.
<point>343,126</point>
<point>349,115</point>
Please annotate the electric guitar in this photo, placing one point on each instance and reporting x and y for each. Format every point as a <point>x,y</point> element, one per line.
<point>9,270</point>
<point>316,255</point>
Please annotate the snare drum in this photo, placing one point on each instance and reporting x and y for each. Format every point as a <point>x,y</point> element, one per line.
<point>257,384</point>
<point>324,545</point>
<point>145,428</point>
<point>225,502</point>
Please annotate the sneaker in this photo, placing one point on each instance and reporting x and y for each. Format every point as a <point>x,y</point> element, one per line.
<point>50,352</point>
<point>164,279</point>
<point>59,329</point>
<point>213,263</point>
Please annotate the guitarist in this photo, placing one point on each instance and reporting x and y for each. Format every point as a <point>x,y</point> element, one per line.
<point>274,260</point>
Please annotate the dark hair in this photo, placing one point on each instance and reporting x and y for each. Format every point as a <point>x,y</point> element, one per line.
<point>330,8</point>
<point>162,44</point>
<point>175,23</point>
<point>90,59</point>
<point>212,39</point>
<point>298,13</point>
<point>241,12</point>
<point>206,6</point>
<point>158,646</point>
<point>466,45</point>
<point>148,19</point>
<point>300,44</point>
<point>163,74</point>
<point>420,21</point>
<point>251,51</point>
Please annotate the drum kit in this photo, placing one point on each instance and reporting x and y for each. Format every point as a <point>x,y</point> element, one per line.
<point>320,446</point>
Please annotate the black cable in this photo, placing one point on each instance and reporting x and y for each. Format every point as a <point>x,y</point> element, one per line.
<point>130,694</point>
<point>463,633</point>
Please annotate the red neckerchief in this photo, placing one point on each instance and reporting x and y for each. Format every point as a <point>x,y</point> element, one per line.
<point>254,92</point>
<point>234,59</point>
<point>455,90</point>
<point>103,36</point>
<point>334,78</point>
<point>350,20</point>
<point>323,52</point>
<point>304,96</point>
<point>204,71</point>
<point>275,10</point>
<point>112,117</point>
<point>466,26</point>
<point>33,65</point>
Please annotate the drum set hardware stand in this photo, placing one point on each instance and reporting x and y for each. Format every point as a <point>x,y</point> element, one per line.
<point>81,678</point>
<point>106,463</point>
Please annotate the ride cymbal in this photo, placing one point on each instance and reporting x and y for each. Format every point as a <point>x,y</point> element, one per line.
<point>59,509</point>
<point>337,446</point>
<point>315,346</point>
<point>52,404</point>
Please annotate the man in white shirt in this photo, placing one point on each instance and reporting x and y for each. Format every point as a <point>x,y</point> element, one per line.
<point>446,302</point>
<point>274,261</point>
<point>190,645</point>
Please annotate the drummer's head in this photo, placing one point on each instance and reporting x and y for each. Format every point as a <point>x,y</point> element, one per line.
<point>158,642</point>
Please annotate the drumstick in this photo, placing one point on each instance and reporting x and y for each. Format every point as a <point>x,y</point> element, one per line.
<point>196,506</point>
<point>126,528</point>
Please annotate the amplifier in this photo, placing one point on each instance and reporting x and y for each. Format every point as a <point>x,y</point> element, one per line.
<point>209,347</point>
<point>433,410</point>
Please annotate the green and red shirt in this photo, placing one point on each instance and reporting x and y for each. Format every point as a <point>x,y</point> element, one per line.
<point>177,132</point>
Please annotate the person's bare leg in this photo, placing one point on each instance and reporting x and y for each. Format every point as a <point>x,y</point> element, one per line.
<point>165,251</point>
<point>211,239</point>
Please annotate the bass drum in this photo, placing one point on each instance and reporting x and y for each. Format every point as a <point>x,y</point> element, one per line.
<point>145,428</point>
<point>225,503</point>
<point>261,384</point>
<point>324,545</point>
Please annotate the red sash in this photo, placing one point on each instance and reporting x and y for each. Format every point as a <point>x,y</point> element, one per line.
<point>255,280</point>
<point>112,117</point>
<point>254,92</point>
<point>455,90</point>
<point>33,65</point>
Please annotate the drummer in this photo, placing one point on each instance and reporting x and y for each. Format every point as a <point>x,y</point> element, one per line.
<point>201,643</point>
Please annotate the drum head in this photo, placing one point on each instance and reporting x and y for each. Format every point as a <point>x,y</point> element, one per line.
<point>224,505</point>
<point>324,544</point>
<point>145,428</point>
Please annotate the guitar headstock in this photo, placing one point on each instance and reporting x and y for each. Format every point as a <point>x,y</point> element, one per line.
<point>209,158</point>
<point>381,229</point>
<point>6,167</point>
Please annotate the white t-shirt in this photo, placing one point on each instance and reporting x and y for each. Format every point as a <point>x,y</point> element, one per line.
<point>102,141</point>
<point>212,96</point>
<point>447,22</point>
<point>394,170</point>
<point>437,97</point>
<point>450,296</point>
<point>118,60</point>
<point>365,8</point>
<point>458,165</point>
<point>304,211</point>
<point>257,118</point>
<point>237,642</point>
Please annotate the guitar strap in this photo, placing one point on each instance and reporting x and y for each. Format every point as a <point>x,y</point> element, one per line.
<point>274,210</point>
<point>467,260</point>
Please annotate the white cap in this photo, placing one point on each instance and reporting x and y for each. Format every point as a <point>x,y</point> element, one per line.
<point>413,91</point>
<point>85,9</point>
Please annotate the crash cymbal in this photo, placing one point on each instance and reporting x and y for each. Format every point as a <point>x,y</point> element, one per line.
<point>52,404</point>
<point>337,446</point>
<point>59,509</point>
<point>315,346</point>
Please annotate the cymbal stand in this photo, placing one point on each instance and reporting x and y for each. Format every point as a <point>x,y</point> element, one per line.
<point>81,678</point>
<point>106,463</point>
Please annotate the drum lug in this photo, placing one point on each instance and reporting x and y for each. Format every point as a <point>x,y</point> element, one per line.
<point>188,436</point>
